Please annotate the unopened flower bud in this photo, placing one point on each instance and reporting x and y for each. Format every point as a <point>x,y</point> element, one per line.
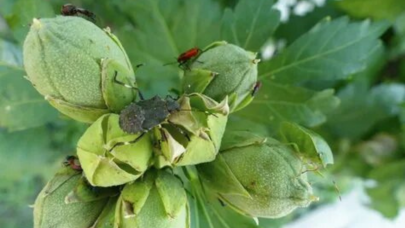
<point>223,70</point>
<point>75,66</point>
<point>256,176</point>
<point>53,209</point>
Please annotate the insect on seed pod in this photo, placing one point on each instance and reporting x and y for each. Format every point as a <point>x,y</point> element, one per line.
<point>186,131</point>
<point>222,69</point>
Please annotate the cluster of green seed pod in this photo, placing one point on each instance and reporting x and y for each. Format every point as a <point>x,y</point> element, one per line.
<point>124,176</point>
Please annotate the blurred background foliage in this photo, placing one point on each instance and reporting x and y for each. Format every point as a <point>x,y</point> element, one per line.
<point>338,79</point>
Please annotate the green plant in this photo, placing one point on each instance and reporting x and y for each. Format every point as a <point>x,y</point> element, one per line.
<point>337,79</point>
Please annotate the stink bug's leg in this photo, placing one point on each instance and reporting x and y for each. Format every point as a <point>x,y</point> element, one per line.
<point>212,114</point>
<point>127,143</point>
<point>127,86</point>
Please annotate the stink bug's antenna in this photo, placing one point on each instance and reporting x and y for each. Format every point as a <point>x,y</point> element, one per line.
<point>128,86</point>
<point>129,142</point>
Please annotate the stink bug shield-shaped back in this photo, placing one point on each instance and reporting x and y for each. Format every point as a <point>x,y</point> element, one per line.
<point>144,115</point>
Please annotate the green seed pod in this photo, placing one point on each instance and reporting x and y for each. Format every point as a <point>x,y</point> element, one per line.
<point>222,70</point>
<point>73,63</point>
<point>107,155</point>
<point>51,208</point>
<point>257,177</point>
<point>204,121</point>
<point>107,216</point>
<point>158,200</point>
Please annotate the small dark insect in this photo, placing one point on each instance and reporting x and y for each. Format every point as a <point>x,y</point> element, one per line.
<point>73,162</point>
<point>256,88</point>
<point>221,202</point>
<point>186,56</point>
<point>71,10</point>
<point>144,115</point>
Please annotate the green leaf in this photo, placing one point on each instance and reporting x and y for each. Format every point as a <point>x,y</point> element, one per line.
<point>6,7</point>
<point>276,103</point>
<point>239,123</point>
<point>21,107</point>
<point>384,196</point>
<point>383,199</point>
<point>332,50</point>
<point>298,25</point>
<point>308,143</point>
<point>388,171</point>
<point>400,195</point>
<point>23,13</point>
<point>25,159</point>
<point>25,152</point>
<point>398,41</point>
<point>214,215</point>
<point>376,9</point>
<point>361,108</point>
<point>250,24</point>
<point>160,30</point>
